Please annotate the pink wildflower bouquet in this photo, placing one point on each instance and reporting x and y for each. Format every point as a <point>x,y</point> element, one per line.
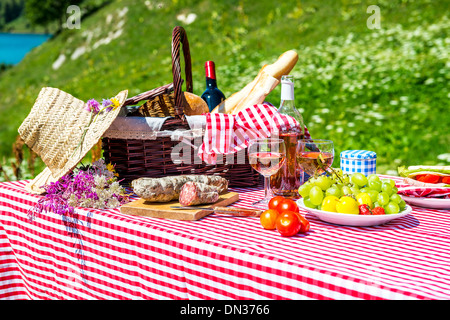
<point>94,186</point>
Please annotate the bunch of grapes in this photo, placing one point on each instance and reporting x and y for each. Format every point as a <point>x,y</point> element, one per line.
<point>370,190</point>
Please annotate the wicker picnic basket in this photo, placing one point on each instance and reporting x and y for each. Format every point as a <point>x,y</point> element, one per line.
<point>135,158</point>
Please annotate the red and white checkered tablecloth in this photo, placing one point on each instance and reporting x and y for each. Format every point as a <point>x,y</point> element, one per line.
<point>97,254</point>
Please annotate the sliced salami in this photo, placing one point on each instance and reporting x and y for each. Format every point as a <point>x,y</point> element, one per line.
<point>195,193</point>
<point>168,188</point>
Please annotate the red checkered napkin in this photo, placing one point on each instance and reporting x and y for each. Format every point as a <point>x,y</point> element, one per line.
<point>226,134</point>
<point>425,192</point>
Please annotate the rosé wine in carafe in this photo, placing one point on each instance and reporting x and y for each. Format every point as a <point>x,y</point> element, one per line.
<point>286,181</point>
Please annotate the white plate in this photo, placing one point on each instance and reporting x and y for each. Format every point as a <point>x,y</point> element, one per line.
<point>354,219</point>
<point>434,203</point>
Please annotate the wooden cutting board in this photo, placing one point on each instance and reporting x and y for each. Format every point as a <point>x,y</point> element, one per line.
<point>141,207</point>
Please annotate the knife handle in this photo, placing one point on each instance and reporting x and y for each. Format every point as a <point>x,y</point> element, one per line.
<point>244,212</point>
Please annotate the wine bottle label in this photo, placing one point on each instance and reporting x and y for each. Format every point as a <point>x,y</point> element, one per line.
<point>210,70</point>
<point>287,90</point>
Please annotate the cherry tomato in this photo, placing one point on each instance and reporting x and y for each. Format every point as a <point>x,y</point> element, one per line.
<point>364,209</point>
<point>268,219</point>
<point>273,203</point>
<point>378,211</point>
<point>287,205</point>
<point>304,223</point>
<point>288,223</point>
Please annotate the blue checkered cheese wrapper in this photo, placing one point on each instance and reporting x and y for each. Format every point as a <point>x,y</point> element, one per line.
<point>362,161</point>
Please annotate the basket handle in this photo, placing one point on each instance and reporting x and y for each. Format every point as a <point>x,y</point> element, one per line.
<point>179,37</point>
<point>149,94</point>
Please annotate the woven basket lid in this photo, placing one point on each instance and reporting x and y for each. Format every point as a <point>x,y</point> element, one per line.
<point>54,129</point>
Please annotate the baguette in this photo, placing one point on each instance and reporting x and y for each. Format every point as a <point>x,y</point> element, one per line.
<point>284,64</point>
<point>228,104</point>
<point>256,93</point>
<point>264,85</point>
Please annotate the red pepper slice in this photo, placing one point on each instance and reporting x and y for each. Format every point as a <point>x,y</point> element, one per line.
<point>428,178</point>
<point>445,180</point>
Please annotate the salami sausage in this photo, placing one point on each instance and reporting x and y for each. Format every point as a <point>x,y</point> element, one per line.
<point>168,188</point>
<point>194,193</point>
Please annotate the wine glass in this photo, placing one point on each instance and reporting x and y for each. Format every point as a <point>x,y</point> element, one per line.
<point>266,155</point>
<point>315,156</point>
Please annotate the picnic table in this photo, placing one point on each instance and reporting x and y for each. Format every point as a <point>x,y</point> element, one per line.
<point>104,254</point>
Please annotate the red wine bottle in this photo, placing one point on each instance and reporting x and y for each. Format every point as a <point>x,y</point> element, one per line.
<point>212,95</point>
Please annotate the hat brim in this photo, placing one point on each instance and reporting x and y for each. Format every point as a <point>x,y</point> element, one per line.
<point>44,178</point>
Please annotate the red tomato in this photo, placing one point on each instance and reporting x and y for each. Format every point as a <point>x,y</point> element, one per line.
<point>304,223</point>
<point>287,205</point>
<point>288,223</point>
<point>268,219</point>
<point>273,203</point>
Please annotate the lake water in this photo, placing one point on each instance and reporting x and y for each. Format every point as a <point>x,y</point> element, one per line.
<point>13,47</point>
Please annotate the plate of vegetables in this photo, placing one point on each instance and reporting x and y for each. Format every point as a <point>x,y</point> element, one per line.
<point>354,200</point>
<point>427,186</point>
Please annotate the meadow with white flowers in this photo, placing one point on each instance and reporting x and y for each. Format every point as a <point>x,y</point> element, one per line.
<point>385,91</point>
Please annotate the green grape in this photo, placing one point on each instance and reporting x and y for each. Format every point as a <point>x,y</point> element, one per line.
<point>375,185</point>
<point>304,189</point>
<point>312,180</point>
<point>358,179</point>
<point>395,189</point>
<point>334,191</point>
<point>386,187</point>
<point>390,181</point>
<point>316,195</point>
<point>338,185</point>
<point>377,204</point>
<point>323,182</point>
<point>396,198</point>
<point>332,178</point>
<point>345,179</point>
<point>373,177</point>
<point>402,205</point>
<point>336,174</point>
<point>307,202</point>
<point>354,190</point>
<point>346,190</point>
<point>365,189</point>
<point>383,198</point>
<point>338,171</point>
<point>392,208</point>
<point>373,194</point>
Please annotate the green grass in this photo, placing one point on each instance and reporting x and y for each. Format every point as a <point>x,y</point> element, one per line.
<point>21,25</point>
<point>383,90</point>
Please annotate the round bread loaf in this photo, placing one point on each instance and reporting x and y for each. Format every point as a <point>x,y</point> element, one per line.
<point>195,105</point>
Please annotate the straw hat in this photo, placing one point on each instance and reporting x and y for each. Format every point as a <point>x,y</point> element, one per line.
<point>62,132</point>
